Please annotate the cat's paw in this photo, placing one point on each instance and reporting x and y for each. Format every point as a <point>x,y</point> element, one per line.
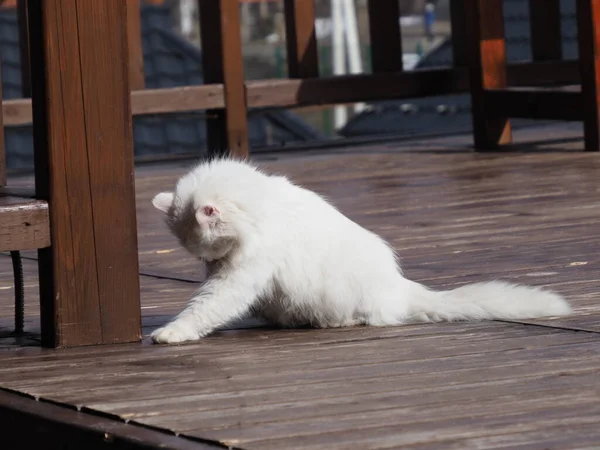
<point>174,333</point>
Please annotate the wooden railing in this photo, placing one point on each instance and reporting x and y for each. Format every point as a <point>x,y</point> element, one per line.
<point>228,96</point>
<point>86,81</point>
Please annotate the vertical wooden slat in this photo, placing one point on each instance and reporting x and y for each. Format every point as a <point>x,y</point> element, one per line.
<point>24,48</point>
<point>487,69</point>
<point>136,51</point>
<point>2,147</point>
<point>459,36</point>
<point>588,29</point>
<point>301,38</point>
<point>386,37</point>
<point>227,129</point>
<point>89,282</point>
<point>546,38</point>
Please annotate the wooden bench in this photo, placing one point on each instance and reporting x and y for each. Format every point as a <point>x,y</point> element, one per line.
<point>24,225</point>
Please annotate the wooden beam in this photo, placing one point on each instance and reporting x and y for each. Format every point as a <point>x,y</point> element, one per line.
<point>301,39</point>
<point>546,37</point>
<point>24,48</point>
<point>354,88</point>
<point>137,80</point>
<point>386,38</point>
<point>223,63</point>
<point>588,29</point>
<point>487,70</point>
<point>89,282</point>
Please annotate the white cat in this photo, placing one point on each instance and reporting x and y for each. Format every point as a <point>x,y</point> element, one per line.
<point>286,254</point>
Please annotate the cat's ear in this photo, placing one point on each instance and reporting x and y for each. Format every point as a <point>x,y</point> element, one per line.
<point>163,201</point>
<point>207,213</point>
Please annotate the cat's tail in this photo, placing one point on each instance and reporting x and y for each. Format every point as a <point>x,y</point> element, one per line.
<point>492,300</point>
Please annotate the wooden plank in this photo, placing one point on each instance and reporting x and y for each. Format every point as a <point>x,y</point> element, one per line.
<point>24,224</point>
<point>458,30</point>
<point>546,36</point>
<point>301,39</point>
<point>223,63</point>
<point>588,29</point>
<point>487,67</point>
<point>551,104</point>
<point>84,168</point>
<point>137,80</point>
<point>322,91</point>
<point>386,38</point>
<point>58,427</point>
<point>24,48</point>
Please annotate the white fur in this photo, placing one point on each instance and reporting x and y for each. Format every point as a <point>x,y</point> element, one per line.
<point>285,253</point>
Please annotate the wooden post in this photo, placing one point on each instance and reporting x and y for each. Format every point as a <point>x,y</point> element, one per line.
<point>487,69</point>
<point>24,48</point>
<point>89,282</point>
<point>386,37</point>
<point>302,51</point>
<point>546,38</point>
<point>588,30</point>
<point>227,129</point>
<point>136,52</point>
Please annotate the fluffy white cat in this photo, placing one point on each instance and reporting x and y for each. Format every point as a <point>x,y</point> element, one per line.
<point>286,254</point>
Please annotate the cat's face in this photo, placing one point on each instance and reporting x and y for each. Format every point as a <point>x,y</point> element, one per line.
<point>202,230</point>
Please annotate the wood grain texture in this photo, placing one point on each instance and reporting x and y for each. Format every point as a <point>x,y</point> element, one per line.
<point>385,35</point>
<point>137,80</point>
<point>546,35</point>
<point>88,278</point>
<point>301,39</point>
<point>222,63</point>
<point>588,26</point>
<point>25,224</point>
<point>455,217</point>
<point>487,69</point>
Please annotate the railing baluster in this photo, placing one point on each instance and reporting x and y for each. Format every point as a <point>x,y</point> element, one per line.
<point>24,48</point>
<point>386,36</point>
<point>459,33</point>
<point>227,130</point>
<point>546,38</point>
<point>136,51</point>
<point>487,69</point>
<point>301,38</point>
<point>588,21</point>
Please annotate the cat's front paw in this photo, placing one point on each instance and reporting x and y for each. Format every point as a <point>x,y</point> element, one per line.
<point>174,333</point>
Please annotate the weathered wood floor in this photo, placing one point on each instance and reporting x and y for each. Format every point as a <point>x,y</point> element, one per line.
<point>455,217</point>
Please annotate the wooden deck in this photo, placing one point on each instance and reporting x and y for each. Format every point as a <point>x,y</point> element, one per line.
<point>455,217</point>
